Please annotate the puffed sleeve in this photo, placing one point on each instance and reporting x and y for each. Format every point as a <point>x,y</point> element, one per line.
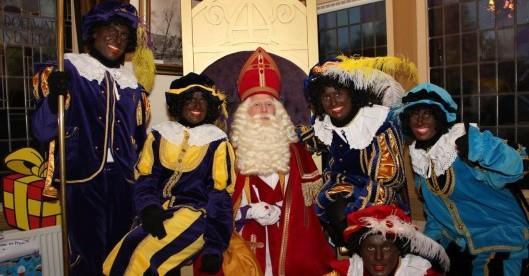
<point>503,163</point>
<point>219,210</point>
<point>148,172</point>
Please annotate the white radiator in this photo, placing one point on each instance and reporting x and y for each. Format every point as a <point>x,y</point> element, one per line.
<point>50,242</point>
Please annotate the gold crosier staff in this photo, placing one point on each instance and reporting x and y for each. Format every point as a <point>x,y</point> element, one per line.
<point>62,155</point>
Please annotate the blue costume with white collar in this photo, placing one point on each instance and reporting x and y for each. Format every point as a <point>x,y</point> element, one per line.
<point>105,122</point>
<point>466,199</point>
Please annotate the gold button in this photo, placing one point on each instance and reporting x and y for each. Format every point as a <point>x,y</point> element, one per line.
<point>451,206</point>
<point>179,160</point>
<point>117,149</point>
<point>340,159</point>
<point>119,121</point>
<point>183,150</point>
<point>100,118</point>
<point>344,171</point>
<point>460,226</point>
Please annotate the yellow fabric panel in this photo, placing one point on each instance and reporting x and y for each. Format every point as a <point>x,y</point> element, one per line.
<point>107,265</point>
<point>51,208</point>
<point>21,208</point>
<point>146,159</point>
<point>9,201</point>
<point>177,259</point>
<point>191,157</point>
<point>220,167</point>
<point>175,226</point>
<point>231,186</point>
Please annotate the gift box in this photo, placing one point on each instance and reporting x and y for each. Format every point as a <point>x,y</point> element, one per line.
<point>24,206</point>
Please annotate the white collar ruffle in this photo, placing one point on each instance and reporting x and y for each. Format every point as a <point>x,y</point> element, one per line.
<point>359,133</point>
<point>91,69</point>
<point>198,136</point>
<point>442,154</point>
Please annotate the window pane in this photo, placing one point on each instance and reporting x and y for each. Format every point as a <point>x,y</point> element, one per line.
<point>381,51</point>
<point>470,47</point>
<point>369,52</point>
<point>523,75</point>
<point>329,40</point>
<point>435,21</point>
<point>504,14</point>
<point>507,133</point>
<point>343,39</point>
<point>523,108</point>
<point>506,107</point>
<point>437,77</point>
<point>487,78</point>
<point>380,10</point>
<point>367,12</point>
<point>380,30</point>
<point>523,42</point>
<point>522,11</point>
<point>436,52</point>
<point>356,36</point>
<point>342,17</point>
<point>432,3</point>
<point>15,91</point>
<point>506,77</point>
<point>451,19</point>
<point>506,44</point>
<point>452,50</point>
<point>470,80</point>
<point>469,19</point>
<point>14,61</point>
<point>354,15</point>
<point>3,129</point>
<point>47,8</point>
<point>523,136</point>
<point>487,117</point>
<point>453,82</point>
<point>487,45</point>
<point>18,126</point>
<point>368,33</point>
<point>330,20</point>
<point>486,18</point>
<point>470,109</point>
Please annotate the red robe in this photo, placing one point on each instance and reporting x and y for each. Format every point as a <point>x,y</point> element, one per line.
<point>297,243</point>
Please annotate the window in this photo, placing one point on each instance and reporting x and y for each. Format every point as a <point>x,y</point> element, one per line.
<point>479,52</point>
<point>27,39</point>
<point>359,30</point>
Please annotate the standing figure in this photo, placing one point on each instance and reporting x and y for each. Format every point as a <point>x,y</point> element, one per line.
<point>106,115</point>
<point>356,125</point>
<point>276,180</point>
<point>463,174</point>
<point>182,193</point>
<point>384,242</point>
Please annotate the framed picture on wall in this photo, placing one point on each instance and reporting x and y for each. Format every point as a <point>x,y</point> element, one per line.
<point>163,19</point>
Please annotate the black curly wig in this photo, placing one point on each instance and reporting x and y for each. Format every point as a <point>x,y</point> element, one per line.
<point>132,41</point>
<point>359,98</point>
<point>175,104</point>
<point>442,125</point>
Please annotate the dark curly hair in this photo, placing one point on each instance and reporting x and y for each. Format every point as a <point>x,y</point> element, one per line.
<point>442,125</point>
<point>118,20</point>
<point>175,104</point>
<point>317,85</point>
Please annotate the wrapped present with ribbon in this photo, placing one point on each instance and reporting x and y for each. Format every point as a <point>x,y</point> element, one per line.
<point>24,206</point>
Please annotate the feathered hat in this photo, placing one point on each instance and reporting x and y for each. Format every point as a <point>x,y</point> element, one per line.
<point>391,222</point>
<point>372,75</point>
<point>259,75</point>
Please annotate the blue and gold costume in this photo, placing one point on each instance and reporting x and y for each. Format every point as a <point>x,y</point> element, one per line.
<point>189,172</point>
<point>366,160</point>
<point>466,198</point>
<point>105,123</point>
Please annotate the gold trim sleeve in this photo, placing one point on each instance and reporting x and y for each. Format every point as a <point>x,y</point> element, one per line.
<point>146,159</point>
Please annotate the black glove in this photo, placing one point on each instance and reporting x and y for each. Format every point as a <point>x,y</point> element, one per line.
<point>337,220</point>
<point>152,218</point>
<point>462,146</point>
<point>211,263</point>
<point>58,85</point>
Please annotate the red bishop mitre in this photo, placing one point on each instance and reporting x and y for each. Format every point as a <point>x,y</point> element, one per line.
<point>259,75</point>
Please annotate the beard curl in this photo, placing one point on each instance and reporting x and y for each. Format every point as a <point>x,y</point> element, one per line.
<point>262,142</point>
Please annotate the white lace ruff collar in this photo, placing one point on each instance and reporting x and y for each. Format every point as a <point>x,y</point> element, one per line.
<point>91,69</point>
<point>441,155</point>
<point>198,136</point>
<point>360,132</point>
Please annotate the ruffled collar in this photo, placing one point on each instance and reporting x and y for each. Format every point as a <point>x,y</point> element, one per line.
<point>359,133</point>
<point>198,136</point>
<point>442,154</point>
<point>91,69</point>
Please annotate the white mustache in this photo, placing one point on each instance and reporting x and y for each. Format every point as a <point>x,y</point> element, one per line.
<point>263,116</point>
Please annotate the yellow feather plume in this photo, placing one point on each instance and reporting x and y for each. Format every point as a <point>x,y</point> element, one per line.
<point>143,61</point>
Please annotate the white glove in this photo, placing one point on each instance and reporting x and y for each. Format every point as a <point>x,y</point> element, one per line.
<point>264,213</point>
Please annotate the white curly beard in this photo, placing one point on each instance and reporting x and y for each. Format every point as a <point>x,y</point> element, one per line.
<point>262,148</point>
